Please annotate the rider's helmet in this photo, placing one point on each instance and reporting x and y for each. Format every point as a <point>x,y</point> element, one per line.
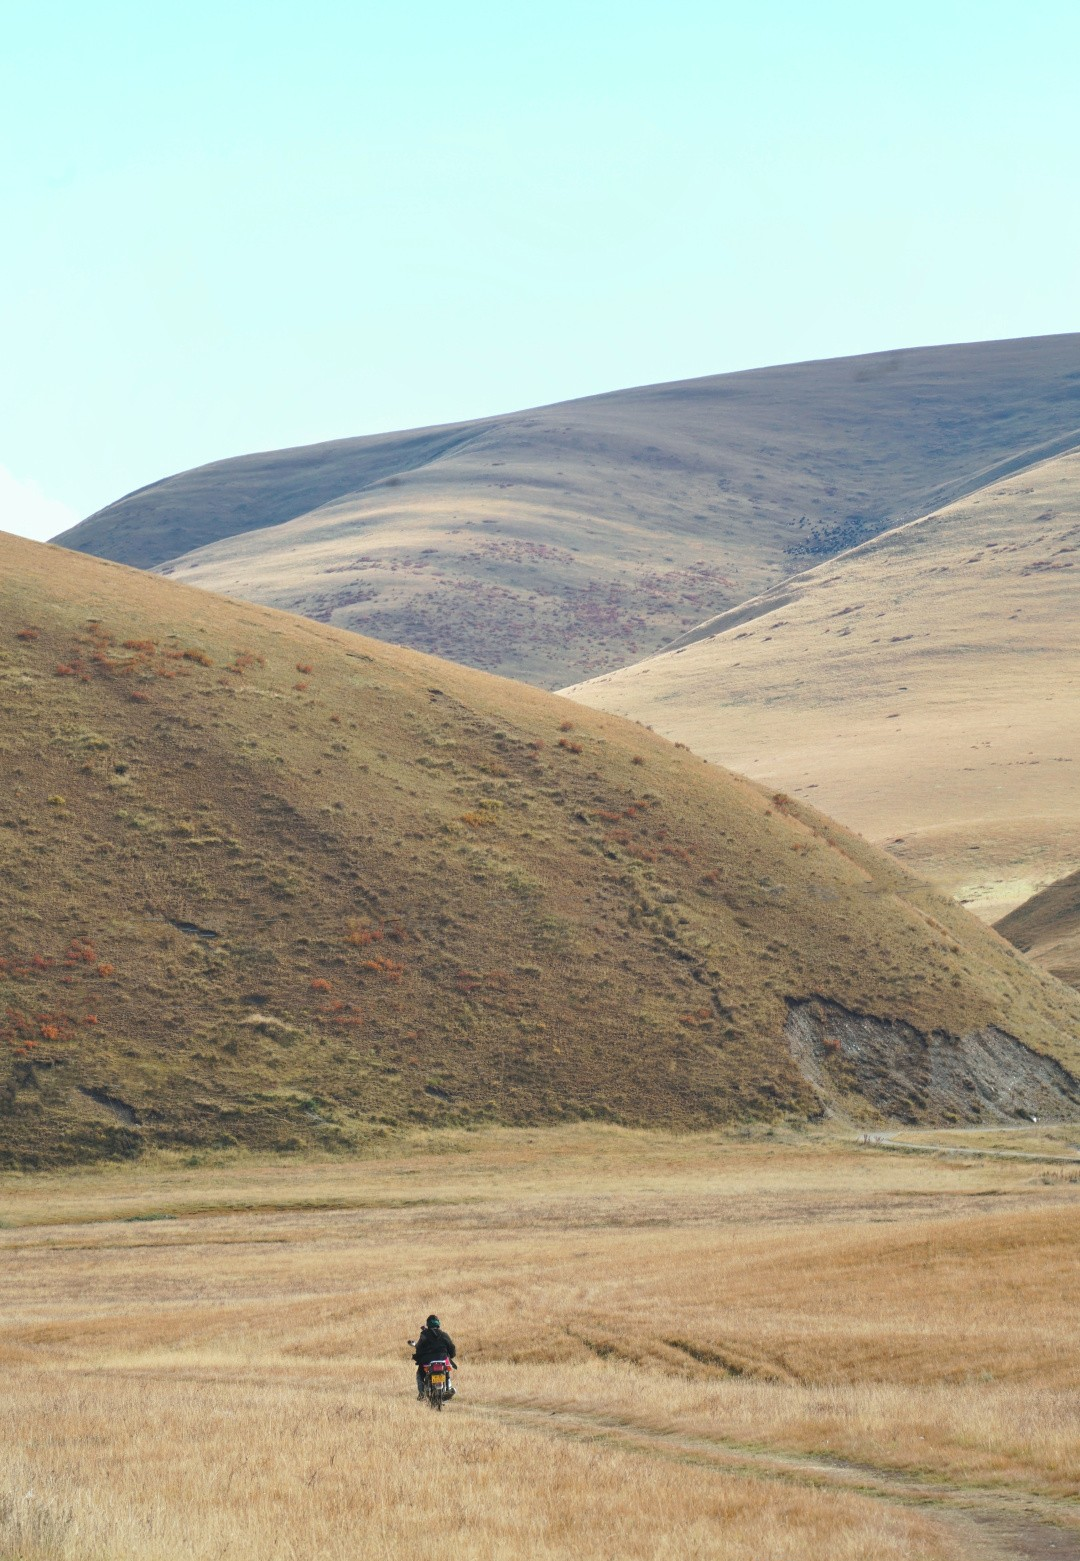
<point>433,1322</point>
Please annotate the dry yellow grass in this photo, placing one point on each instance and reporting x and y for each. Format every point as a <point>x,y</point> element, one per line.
<point>924,689</point>
<point>267,1470</point>
<point>701,1347</point>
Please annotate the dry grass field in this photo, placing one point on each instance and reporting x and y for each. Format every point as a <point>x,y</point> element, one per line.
<point>556,543</point>
<point>754,1348</point>
<point>263,882</point>
<point>924,689</point>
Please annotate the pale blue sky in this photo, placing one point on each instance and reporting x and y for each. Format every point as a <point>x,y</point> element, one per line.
<point>240,229</point>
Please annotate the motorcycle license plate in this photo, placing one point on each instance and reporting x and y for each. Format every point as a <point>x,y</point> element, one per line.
<point>438,1379</point>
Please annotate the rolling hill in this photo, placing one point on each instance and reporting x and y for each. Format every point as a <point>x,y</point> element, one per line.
<point>924,688</point>
<point>264,882</point>
<point>1048,928</point>
<point>554,544</point>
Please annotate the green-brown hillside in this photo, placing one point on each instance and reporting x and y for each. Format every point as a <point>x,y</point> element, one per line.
<point>264,882</point>
<point>1048,928</point>
<point>560,542</point>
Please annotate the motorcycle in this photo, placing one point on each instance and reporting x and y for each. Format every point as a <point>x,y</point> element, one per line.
<point>438,1385</point>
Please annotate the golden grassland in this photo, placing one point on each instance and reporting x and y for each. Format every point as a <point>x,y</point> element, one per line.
<point>771,1345</point>
<point>922,689</point>
<point>263,882</point>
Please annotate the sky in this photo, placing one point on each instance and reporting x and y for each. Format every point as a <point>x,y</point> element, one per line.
<point>232,228</point>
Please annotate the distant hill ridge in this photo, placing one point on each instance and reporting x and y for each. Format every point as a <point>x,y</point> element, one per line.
<point>265,883</point>
<point>923,687</point>
<point>557,543</point>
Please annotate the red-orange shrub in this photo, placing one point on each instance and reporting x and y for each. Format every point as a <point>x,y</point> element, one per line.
<point>385,967</point>
<point>360,936</point>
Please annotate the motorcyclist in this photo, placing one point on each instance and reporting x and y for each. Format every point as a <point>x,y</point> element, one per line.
<point>433,1344</point>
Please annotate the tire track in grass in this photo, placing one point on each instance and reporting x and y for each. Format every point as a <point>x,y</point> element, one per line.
<point>994,1524</point>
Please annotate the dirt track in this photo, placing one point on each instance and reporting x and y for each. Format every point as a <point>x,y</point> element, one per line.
<point>992,1524</point>
<point>887,1141</point>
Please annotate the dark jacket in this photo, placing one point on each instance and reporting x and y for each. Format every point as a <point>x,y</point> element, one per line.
<point>433,1344</point>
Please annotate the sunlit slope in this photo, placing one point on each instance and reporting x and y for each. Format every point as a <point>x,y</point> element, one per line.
<point>1048,928</point>
<point>924,688</point>
<point>556,543</point>
<point>265,882</point>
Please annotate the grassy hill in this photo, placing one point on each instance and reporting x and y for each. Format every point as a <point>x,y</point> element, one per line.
<point>1048,928</point>
<point>264,882</point>
<point>564,541</point>
<point>924,688</point>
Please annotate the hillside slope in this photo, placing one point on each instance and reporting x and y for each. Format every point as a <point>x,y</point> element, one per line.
<point>1048,928</point>
<point>265,882</point>
<point>923,688</point>
<point>568,540</point>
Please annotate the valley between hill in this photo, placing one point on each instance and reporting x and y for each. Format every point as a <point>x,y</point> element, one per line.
<point>1047,927</point>
<point>561,542</point>
<point>265,883</point>
<point>924,688</point>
